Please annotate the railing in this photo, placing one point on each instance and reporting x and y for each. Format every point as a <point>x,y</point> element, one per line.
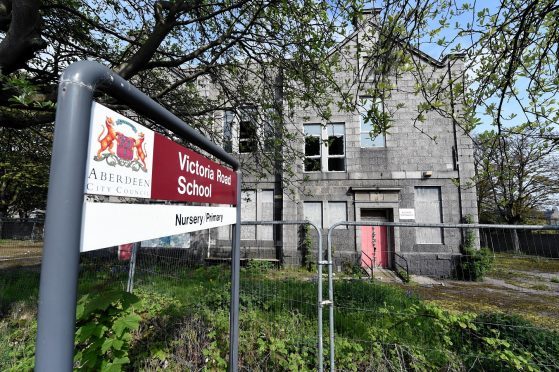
<point>398,265</point>
<point>370,267</point>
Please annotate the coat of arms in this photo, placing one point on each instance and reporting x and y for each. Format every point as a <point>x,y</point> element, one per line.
<point>130,151</point>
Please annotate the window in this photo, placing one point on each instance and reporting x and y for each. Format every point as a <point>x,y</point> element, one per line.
<point>369,110</point>
<point>313,212</point>
<point>313,147</point>
<point>242,124</point>
<point>228,118</point>
<point>248,138</point>
<point>265,212</point>
<point>337,212</point>
<point>257,206</point>
<point>324,147</point>
<point>248,213</point>
<point>336,147</point>
<point>428,209</point>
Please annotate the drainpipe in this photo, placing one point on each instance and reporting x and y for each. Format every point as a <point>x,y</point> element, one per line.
<point>278,166</point>
<point>454,132</point>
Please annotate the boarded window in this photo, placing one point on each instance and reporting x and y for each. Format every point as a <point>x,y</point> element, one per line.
<point>248,213</point>
<point>428,209</point>
<point>257,206</point>
<point>337,212</point>
<point>266,213</point>
<point>313,212</point>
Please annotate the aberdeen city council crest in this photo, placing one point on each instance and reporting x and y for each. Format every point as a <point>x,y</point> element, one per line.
<point>130,147</point>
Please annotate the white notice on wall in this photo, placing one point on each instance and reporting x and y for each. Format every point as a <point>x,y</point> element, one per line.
<point>407,214</point>
<point>108,224</point>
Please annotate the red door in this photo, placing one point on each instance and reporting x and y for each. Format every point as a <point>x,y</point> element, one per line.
<point>374,246</point>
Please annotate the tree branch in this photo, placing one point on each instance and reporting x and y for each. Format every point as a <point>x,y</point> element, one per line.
<point>23,37</point>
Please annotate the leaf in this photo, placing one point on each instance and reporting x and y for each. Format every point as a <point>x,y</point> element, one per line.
<point>120,361</point>
<point>110,367</point>
<point>90,329</point>
<point>129,322</point>
<point>111,343</point>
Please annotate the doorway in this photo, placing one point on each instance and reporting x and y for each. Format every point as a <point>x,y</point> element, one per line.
<point>374,239</point>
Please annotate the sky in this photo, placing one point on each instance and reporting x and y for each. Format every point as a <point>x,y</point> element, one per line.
<point>450,33</point>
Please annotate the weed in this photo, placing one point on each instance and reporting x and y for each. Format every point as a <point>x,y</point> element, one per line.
<point>104,325</point>
<point>474,264</point>
<point>404,276</point>
<point>554,279</point>
<point>540,287</point>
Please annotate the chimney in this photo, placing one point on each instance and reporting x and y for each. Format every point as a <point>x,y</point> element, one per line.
<point>365,16</point>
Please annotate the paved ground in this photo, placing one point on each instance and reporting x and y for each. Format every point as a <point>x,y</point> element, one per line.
<point>524,286</point>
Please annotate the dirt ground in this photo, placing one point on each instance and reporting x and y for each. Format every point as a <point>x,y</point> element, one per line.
<point>521,285</point>
<point>19,253</point>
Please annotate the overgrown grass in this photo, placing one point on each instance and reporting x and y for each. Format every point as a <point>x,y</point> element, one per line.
<point>507,261</point>
<point>185,324</point>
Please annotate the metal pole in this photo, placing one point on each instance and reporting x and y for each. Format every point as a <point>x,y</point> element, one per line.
<point>331,302</point>
<point>60,263</point>
<point>61,252</point>
<point>235,279</point>
<point>132,268</point>
<point>319,290</point>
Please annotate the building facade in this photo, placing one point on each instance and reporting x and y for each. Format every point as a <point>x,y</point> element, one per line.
<point>410,173</point>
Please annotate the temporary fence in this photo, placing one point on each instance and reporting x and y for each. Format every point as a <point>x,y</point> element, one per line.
<point>281,304</point>
<point>404,296</point>
<point>443,296</point>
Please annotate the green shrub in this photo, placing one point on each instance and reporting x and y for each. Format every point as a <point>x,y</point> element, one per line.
<point>103,335</point>
<point>474,264</point>
<point>502,342</point>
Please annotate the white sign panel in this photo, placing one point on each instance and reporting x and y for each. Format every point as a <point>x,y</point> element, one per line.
<point>110,224</point>
<point>407,214</point>
<point>120,155</point>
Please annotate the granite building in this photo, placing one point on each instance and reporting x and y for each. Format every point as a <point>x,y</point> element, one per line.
<point>405,174</point>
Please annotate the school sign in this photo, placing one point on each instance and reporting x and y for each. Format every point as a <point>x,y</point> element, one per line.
<point>127,159</point>
<point>155,186</point>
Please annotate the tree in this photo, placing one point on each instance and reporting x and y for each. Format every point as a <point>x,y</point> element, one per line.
<point>165,47</point>
<point>516,174</point>
<point>263,53</point>
<point>24,169</point>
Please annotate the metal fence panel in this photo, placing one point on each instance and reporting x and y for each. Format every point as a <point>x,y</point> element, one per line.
<point>485,299</point>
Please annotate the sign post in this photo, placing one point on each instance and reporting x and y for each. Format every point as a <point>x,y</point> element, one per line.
<point>66,228</point>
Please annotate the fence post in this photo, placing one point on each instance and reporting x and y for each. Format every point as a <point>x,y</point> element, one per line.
<point>132,268</point>
<point>235,280</point>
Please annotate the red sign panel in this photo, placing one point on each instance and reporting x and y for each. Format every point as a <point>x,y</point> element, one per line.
<point>183,175</point>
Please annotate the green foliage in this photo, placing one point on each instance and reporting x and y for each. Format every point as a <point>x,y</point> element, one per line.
<point>258,266</point>
<point>306,248</point>
<point>24,170</point>
<point>104,326</point>
<point>474,264</point>
<point>351,268</point>
<point>404,276</point>
<point>510,343</point>
<point>184,326</point>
